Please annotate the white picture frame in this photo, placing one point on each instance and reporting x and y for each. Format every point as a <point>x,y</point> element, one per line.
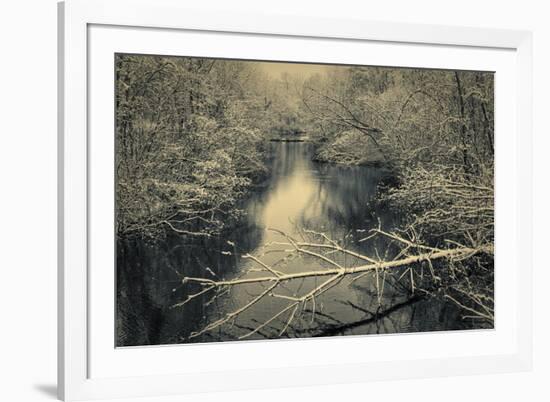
<point>78,345</point>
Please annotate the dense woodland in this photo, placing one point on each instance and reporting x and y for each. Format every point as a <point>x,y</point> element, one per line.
<point>191,142</point>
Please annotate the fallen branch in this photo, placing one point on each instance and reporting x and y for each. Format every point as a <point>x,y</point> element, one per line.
<point>335,272</point>
<point>449,253</point>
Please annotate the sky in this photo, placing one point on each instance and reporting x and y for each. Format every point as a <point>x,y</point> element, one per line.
<point>294,69</point>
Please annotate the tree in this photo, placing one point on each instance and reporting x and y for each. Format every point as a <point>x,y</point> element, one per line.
<point>188,143</point>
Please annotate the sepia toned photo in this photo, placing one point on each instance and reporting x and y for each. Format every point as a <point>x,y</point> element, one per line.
<point>262,200</point>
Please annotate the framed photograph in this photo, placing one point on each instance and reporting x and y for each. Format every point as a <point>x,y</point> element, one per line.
<point>252,201</point>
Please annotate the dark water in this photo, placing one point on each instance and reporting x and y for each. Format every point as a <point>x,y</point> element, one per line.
<point>299,194</point>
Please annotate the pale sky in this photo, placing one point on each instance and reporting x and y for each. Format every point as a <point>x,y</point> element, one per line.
<point>294,69</point>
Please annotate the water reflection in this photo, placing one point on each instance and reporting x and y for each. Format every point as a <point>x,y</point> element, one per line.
<point>298,194</point>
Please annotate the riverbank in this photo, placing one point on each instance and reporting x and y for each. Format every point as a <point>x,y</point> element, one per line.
<point>352,149</point>
<point>344,162</point>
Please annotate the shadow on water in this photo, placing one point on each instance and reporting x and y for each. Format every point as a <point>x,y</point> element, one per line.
<point>299,194</point>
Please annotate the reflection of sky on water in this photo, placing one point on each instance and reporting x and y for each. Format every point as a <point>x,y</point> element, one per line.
<point>288,200</point>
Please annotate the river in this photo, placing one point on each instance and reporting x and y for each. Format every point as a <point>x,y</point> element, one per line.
<point>298,194</point>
